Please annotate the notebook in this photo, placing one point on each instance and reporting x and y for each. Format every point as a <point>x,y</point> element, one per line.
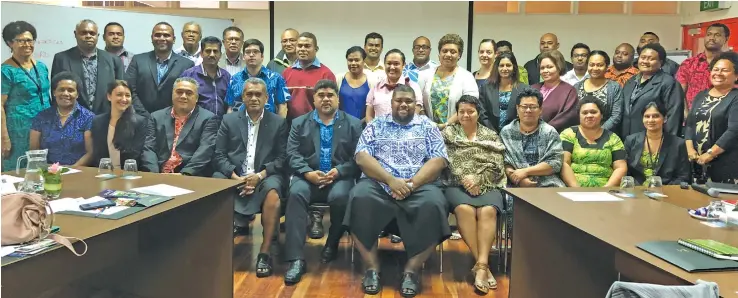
<point>711,248</point>
<point>685,258</point>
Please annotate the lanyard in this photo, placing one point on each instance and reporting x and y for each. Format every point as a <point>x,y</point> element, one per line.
<point>38,84</point>
<point>650,155</point>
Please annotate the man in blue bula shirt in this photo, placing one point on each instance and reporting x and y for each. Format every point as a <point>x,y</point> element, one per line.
<point>253,53</point>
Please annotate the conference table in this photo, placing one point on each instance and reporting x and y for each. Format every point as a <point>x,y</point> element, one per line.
<point>179,248</point>
<point>563,248</point>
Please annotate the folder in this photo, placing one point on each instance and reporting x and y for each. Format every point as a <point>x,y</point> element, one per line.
<point>686,258</point>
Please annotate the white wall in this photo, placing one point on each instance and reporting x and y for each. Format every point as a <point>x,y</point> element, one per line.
<point>340,25</point>
<point>691,14</point>
<point>524,31</point>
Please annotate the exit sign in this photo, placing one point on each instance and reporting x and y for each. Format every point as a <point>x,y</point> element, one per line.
<point>714,5</point>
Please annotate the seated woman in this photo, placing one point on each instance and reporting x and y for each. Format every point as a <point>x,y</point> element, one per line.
<point>120,134</point>
<point>477,172</point>
<point>64,129</point>
<point>533,151</point>
<point>593,156</point>
<point>712,124</point>
<point>655,153</point>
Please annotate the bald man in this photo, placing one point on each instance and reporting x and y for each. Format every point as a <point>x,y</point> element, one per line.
<point>287,56</point>
<point>548,42</point>
<point>421,58</point>
<point>669,66</point>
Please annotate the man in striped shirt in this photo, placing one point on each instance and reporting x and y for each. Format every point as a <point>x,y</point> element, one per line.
<point>232,61</point>
<point>421,59</point>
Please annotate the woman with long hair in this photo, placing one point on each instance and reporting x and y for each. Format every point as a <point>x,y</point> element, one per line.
<point>499,92</point>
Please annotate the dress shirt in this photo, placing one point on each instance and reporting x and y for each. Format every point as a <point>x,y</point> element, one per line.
<point>571,77</point>
<point>66,143</point>
<point>695,74</point>
<point>377,72</point>
<point>411,70</point>
<point>326,141</point>
<point>175,159</point>
<point>125,56</point>
<point>232,67</point>
<point>89,73</point>
<point>196,58</point>
<point>211,91</point>
<point>253,133</point>
<point>276,89</point>
<point>380,96</point>
<point>622,77</point>
<point>402,149</point>
<point>162,67</point>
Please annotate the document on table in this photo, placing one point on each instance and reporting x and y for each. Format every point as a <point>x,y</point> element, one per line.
<point>164,190</point>
<point>6,250</point>
<point>72,204</point>
<point>71,171</point>
<point>590,196</point>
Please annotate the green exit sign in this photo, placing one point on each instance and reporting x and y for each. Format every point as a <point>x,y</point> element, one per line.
<point>714,5</point>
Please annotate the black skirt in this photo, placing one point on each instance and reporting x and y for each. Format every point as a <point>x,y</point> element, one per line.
<point>422,217</point>
<point>251,204</point>
<point>457,195</point>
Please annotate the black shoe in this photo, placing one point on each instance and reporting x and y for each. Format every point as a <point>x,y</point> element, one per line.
<point>240,231</point>
<point>263,265</point>
<point>328,254</point>
<point>316,226</point>
<point>294,272</point>
<point>371,283</point>
<point>410,285</point>
<point>383,234</point>
<point>395,239</point>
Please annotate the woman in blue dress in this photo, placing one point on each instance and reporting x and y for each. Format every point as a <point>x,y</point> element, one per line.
<point>25,91</point>
<point>354,85</point>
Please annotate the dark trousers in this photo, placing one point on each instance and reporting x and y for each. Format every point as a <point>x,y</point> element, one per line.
<point>302,193</point>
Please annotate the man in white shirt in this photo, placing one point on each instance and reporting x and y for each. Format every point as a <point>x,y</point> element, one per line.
<point>421,59</point>
<point>190,49</point>
<point>579,57</point>
<point>373,64</point>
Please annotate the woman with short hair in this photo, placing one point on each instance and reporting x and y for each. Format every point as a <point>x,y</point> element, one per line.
<point>354,85</point>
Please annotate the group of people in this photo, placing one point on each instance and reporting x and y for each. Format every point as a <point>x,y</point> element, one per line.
<point>392,145</point>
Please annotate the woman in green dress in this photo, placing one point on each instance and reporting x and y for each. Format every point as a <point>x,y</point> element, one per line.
<point>593,156</point>
<point>25,91</point>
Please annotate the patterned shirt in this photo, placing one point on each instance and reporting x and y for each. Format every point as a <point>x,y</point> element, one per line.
<point>695,73</point>
<point>402,149</point>
<point>162,66</point>
<point>326,142</point>
<point>592,163</point>
<point>89,73</point>
<point>66,143</point>
<point>411,70</point>
<point>622,77</point>
<point>530,147</point>
<point>276,88</point>
<point>175,159</point>
<point>248,166</point>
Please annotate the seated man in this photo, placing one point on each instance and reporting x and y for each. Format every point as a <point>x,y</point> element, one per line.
<point>320,152</point>
<point>533,155</point>
<point>181,139</point>
<point>250,146</point>
<point>401,155</point>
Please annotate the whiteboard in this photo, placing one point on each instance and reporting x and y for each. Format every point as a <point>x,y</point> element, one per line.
<point>340,25</point>
<point>55,26</point>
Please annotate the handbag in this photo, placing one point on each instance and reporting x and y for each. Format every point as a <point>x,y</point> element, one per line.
<point>27,217</point>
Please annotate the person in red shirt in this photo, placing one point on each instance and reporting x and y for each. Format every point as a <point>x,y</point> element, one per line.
<point>622,68</point>
<point>302,76</point>
<point>694,73</point>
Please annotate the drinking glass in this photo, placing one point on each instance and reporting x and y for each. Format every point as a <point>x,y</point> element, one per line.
<point>627,185</point>
<point>106,166</point>
<point>654,185</point>
<point>130,168</point>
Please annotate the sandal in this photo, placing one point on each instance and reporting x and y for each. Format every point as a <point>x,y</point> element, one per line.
<point>491,280</point>
<point>480,285</point>
<point>410,285</point>
<point>455,236</point>
<point>263,265</point>
<point>370,282</point>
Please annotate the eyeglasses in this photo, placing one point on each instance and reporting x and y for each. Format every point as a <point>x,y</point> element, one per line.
<point>24,41</point>
<point>580,55</point>
<point>532,108</point>
<point>421,48</point>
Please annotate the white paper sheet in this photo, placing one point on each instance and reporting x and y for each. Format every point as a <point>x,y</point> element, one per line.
<point>7,188</point>
<point>162,190</point>
<point>71,171</point>
<point>6,250</point>
<point>590,196</point>
<point>72,204</point>
<point>10,179</point>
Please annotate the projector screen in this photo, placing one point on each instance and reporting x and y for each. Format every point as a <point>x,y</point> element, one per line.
<point>341,25</point>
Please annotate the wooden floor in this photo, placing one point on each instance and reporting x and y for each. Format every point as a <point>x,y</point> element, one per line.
<point>341,278</point>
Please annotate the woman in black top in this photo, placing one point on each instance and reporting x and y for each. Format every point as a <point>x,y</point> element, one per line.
<point>499,92</point>
<point>121,133</point>
<point>655,153</point>
<point>712,124</point>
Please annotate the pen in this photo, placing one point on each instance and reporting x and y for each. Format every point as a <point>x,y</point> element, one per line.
<point>101,211</point>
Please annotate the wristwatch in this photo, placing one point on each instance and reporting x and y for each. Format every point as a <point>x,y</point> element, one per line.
<point>709,152</point>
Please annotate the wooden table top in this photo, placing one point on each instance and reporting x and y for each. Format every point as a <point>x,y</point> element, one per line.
<point>624,224</point>
<point>84,184</point>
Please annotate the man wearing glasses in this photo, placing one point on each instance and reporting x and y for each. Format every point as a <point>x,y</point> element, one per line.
<point>421,59</point>
<point>232,61</point>
<point>278,95</point>
<point>288,55</point>
<point>579,55</point>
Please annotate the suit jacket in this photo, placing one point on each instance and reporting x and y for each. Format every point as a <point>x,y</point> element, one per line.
<point>560,108</point>
<point>109,69</point>
<point>673,165</point>
<point>723,132</point>
<point>303,146</point>
<point>660,88</point>
<point>142,78</point>
<point>232,140</point>
<point>100,139</point>
<point>489,95</point>
<point>534,72</point>
<point>196,142</point>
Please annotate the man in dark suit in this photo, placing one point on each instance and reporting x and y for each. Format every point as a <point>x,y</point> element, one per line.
<point>151,75</point>
<point>182,139</point>
<point>548,42</point>
<point>250,147</point>
<point>96,68</point>
<point>321,157</point>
